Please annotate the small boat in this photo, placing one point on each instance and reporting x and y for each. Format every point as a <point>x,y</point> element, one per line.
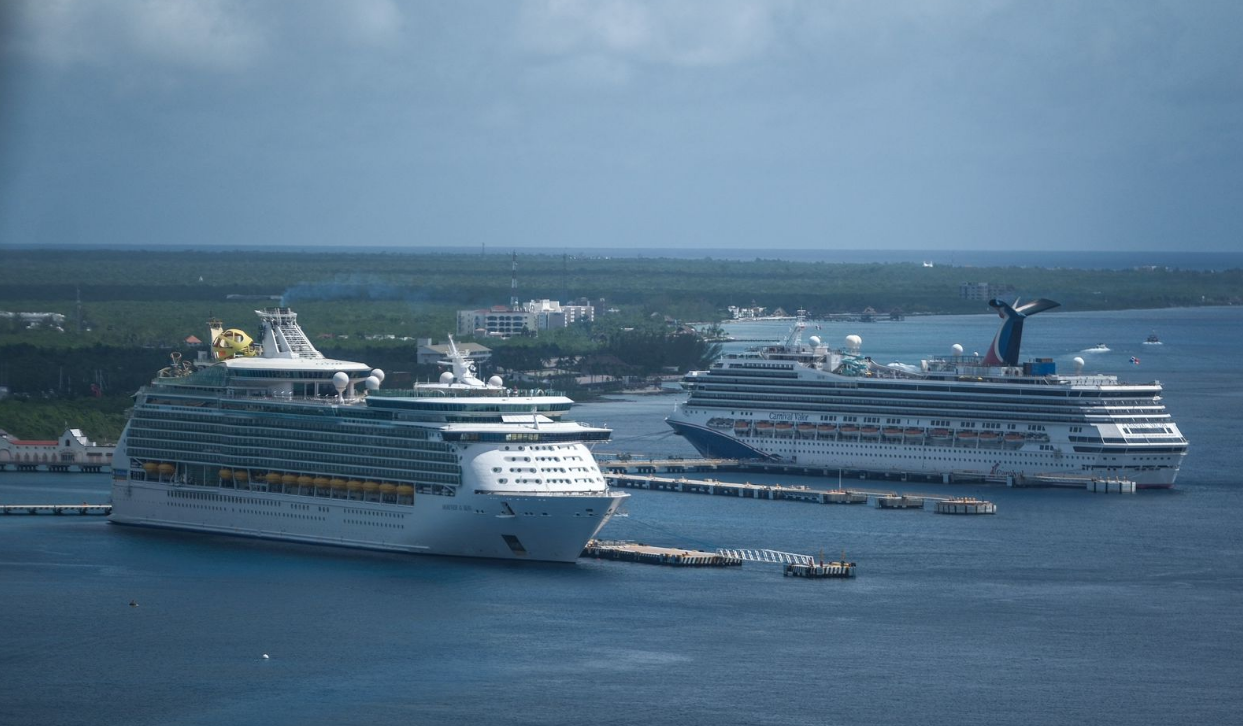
<point>869,430</point>
<point>1013,439</point>
<point>893,433</point>
<point>826,428</point>
<point>849,430</point>
<point>806,429</point>
<point>940,436</point>
<point>1152,339</point>
<point>1098,348</point>
<point>989,437</point>
<point>741,425</point>
<point>785,428</point>
<point>968,437</point>
<point>764,426</point>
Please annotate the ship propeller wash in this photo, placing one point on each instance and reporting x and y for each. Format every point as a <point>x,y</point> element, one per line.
<point>990,416</point>
<point>270,439</point>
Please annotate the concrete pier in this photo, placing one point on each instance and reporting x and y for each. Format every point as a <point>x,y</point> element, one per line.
<point>649,555</point>
<point>819,570</point>
<point>32,509</point>
<point>965,505</point>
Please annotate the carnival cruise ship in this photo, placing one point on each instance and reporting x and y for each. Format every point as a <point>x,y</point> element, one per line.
<point>271,439</point>
<point>962,416</point>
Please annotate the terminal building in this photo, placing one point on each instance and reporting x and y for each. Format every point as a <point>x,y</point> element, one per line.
<point>71,450</point>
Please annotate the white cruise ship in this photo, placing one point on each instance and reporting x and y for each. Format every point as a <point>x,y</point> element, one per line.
<point>272,440</point>
<point>963,416</point>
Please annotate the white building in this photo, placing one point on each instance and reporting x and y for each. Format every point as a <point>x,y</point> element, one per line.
<point>534,316</point>
<point>71,449</point>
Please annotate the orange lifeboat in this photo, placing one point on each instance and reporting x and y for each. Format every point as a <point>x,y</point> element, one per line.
<point>241,475</point>
<point>167,469</point>
<point>226,474</point>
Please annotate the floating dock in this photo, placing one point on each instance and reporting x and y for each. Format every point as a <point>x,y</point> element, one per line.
<point>649,555</point>
<point>896,501</point>
<point>819,570</point>
<point>965,505</point>
<point>101,509</point>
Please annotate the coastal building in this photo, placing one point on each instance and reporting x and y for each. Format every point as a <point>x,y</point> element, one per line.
<point>430,355</point>
<point>984,291</point>
<point>73,448</point>
<point>500,321</point>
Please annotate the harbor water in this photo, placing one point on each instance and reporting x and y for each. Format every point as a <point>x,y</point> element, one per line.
<point>1065,607</point>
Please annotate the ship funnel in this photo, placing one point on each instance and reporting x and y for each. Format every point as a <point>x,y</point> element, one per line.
<point>1005,348</point>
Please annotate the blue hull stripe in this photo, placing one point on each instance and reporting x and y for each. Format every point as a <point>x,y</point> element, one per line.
<point>715,445</point>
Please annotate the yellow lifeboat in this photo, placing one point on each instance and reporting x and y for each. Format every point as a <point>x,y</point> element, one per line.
<point>241,475</point>
<point>305,481</point>
<point>274,477</point>
<point>336,483</point>
<point>226,474</point>
<point>405,490</point>
<point>289,479</point>
<point>151,467</point>
<point>321,482</point>
<point>387,488</point>
<point>370,486</point>
<point>354,485</point>
<point>166,469</point>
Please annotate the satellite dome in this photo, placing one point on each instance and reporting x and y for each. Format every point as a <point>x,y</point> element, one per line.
<point>372,383</point>
<point>340,381</point>
<point>1078,363</point>
<point>956,348</point>
<point>379,374</point>
<point>496,381</point>
<point>853,342</point>
<point>815,340</point>
<point>446,378</point>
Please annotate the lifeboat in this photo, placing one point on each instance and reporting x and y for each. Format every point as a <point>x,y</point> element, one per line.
<point>990,437</point>
<point>826,428</point>
<point>849,430</point>
<point>405,490</point>
<point>289,480</point>
<point>226,474</point>
<point>166,469</point>
<point>305,481</point>
<point>940,436</point>
<point>354,485</point>
<point>274,477</point>
<point>968,437</point>
<point>336,483</point>
<point>914,431</point>
<point>806,428</point>
<point>1014,440</point>
<point>741,425</point>
<point>893,433</point>
<point>321,482</point>
<point>869,430</point>
<point>388,488</point>
<point>151,467</point>
<point>784,428</point>
<point>241,475</point>
<point>370,486</point>
<point>764,426</point>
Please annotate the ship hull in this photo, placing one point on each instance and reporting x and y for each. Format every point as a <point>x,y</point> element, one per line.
<point>883,457</point>
<point>511,526</point>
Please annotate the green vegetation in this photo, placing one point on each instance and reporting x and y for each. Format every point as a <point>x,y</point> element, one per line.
<point>137,307</point>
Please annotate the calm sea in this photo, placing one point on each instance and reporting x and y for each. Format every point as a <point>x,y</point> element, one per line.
<point>1066,607</point>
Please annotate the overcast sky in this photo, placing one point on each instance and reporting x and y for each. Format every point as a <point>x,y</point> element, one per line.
<point>1092,124</point>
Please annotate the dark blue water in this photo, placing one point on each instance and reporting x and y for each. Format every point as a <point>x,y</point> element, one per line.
<point>1066,607</point>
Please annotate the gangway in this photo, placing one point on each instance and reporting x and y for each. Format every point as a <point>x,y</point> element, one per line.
<point>772,556</point>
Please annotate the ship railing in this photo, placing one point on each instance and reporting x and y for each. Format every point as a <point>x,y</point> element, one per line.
<point>465,392</point>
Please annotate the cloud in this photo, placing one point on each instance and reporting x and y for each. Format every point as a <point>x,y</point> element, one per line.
<point>206,34</point>
<point>693,33</point>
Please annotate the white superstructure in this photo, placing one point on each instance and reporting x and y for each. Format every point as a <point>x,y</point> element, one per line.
<point>964,415</point>
<point>273,440</point>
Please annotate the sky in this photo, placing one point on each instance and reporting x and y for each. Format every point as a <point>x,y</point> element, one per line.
<point>695,124</point>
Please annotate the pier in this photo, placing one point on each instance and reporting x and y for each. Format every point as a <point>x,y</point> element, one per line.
<point>796,493</point>
<point>34,509</point>
<point>650,555</point>
<point>623,464</point>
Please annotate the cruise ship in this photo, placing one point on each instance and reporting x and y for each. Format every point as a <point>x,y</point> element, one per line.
<point>960,417</point>
<point>268,438</point>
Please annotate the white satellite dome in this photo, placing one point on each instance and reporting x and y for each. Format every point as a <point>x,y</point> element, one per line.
<point>340,380</point>
<point>379,374</point>
<point>956,349</point>
<point>854,342</point>
<point>815,340</point>
<point>1078,364</point>
<point>372,383</point>
<point>496,381</point>
<point>446,378</point>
